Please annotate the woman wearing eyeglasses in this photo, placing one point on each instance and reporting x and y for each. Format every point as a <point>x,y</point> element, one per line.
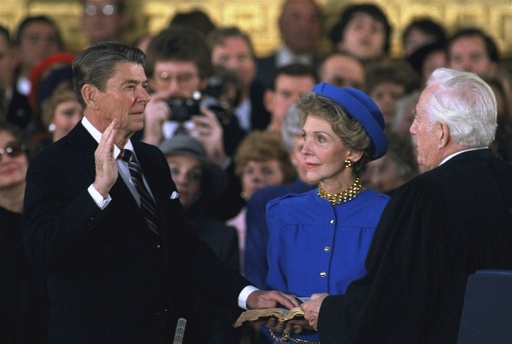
<point>13,167</point>
<point>17,291</point>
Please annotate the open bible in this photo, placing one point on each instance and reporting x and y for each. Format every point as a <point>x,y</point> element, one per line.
<point>282,314</point>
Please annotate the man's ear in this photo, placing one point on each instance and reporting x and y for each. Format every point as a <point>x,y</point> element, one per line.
<point>90,95</point>
<point>443,134</point>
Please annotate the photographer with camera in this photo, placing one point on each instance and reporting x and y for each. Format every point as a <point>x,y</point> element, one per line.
<point>179,67</point>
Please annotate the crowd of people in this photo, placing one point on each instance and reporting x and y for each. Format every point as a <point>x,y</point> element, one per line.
<point>183,176</point>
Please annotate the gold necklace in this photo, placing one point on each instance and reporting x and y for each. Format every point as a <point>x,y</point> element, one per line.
<point>344,196</point>
<point>287,336</point>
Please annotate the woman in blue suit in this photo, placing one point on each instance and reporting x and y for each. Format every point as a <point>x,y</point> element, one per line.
<point>319,239</point>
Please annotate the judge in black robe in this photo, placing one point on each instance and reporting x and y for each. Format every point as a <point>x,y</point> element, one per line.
<point>437,229</point>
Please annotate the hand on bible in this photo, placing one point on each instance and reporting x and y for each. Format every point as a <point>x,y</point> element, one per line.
<point>311,308</point>
<point>270,299</point>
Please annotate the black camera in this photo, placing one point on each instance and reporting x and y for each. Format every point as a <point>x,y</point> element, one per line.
<point>215,88</point>
<point>182,109</point>
<point>217,107</point>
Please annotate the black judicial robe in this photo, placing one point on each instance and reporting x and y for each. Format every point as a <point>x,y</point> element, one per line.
<point>437,229</point>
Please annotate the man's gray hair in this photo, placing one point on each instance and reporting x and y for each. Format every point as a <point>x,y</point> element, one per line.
<point>465,103</point>
<point>291,127</point>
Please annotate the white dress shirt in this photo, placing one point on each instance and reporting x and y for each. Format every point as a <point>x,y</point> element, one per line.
<point>122,168</point>
<point>125,174</point>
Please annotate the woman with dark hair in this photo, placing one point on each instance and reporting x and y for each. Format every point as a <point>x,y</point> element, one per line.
<point>363,31</point>
<point>19,318</point>
<point>420,32</point>
<point>319,239</point>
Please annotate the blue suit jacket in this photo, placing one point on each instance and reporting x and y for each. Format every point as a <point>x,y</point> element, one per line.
<point>109,278</point>
<point>256,266</point>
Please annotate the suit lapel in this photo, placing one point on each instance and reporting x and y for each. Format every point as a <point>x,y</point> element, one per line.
<point>162,187</point>
<point>152,173</point>
<point>151,170</point>
<point>83,143</point>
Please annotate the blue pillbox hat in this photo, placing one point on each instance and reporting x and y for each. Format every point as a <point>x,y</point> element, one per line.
<point>360,107</point>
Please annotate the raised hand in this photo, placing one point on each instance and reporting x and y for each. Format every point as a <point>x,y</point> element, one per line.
<point>106,166</point>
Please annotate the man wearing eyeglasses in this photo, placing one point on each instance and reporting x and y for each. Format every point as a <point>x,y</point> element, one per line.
<point>179,67</point>
<point>104,20</point>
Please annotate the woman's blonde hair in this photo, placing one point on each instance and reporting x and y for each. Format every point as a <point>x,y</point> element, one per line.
<point>63,92</point>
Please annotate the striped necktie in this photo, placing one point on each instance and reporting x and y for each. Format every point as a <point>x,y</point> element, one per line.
<point>147,203</point>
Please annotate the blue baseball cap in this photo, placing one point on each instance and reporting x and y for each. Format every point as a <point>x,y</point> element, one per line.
<point>360,107</point>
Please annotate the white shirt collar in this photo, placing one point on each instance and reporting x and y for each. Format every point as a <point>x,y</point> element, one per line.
<point>243,114</point>
<point>95,133</point>
<point>459,152</point>
<point>285,56</point>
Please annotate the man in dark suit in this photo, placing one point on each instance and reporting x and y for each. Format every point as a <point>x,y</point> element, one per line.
<point>437,229</point>
<point>232,48</point>
<point>301,26</point>
<point>117,268</point>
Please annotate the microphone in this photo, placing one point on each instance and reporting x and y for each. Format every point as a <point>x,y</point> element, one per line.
<point>180,331</point>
